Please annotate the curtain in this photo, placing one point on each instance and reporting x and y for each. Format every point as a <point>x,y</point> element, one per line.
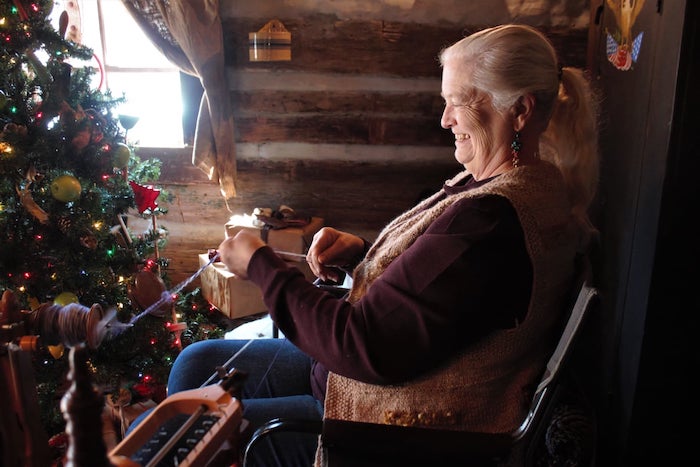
<point>189,34</point>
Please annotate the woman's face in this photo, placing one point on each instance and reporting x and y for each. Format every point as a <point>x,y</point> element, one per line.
<point>482,135</point>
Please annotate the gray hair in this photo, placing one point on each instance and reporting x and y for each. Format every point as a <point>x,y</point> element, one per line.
<point>510,61</point>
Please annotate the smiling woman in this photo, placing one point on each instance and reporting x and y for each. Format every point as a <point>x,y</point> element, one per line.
<point>130,66</point>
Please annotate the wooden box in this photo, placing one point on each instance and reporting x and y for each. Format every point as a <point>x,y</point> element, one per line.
<point>236,297</point>
<point>233,296</point>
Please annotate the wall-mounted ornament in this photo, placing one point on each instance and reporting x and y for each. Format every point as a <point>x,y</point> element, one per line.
<point>272,43</point>
<point>621,48</point>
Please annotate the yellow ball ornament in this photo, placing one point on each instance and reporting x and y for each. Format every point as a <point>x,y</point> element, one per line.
<point>66,188</point>
<point>64,298</point>
<point>121,155</point>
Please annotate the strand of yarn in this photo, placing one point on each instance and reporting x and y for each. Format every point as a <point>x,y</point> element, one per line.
<point>167,296</point>
<point>74,323</point>
<point>189,280</point>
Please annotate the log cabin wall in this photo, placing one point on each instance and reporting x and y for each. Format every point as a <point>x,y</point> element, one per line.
<point>349,129</point>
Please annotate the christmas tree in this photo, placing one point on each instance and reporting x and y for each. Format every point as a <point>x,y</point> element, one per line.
<point>68,179</point>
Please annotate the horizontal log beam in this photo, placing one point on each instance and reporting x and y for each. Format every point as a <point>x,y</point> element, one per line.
<point>347,193</point>
<point>357,129</point>
<point>338,101</point>
<point>323,43</point>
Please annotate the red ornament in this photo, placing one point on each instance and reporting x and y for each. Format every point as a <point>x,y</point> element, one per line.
<point>144,196</point>
<point>59,441</point>
<point>143,390</point>
<point>150,265</point>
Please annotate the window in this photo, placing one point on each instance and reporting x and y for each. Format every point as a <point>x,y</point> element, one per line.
<point>130,65</point>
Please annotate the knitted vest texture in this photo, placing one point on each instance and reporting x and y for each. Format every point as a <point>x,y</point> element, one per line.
<point>488,386</point>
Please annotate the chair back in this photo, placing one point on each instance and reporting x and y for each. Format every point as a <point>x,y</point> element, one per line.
<point>548,391</point>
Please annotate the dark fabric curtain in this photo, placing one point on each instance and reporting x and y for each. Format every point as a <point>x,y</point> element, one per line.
<point>189,34</point>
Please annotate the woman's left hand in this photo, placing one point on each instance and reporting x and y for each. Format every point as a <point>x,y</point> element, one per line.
<point>235,252</point>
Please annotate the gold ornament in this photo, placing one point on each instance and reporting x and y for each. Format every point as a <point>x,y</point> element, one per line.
<point>26,199</point>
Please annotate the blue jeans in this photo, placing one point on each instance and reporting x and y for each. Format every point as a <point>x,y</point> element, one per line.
<point>276,386</point>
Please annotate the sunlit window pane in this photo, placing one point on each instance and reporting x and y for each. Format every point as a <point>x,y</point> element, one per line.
<point>160,116</point>
<point>127,45</point>
<point>153,97</point>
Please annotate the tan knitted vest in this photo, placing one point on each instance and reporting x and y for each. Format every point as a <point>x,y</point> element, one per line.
<point>487,387</point>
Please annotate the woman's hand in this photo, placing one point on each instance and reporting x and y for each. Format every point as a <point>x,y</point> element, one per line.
<point>332,249</point>
<point>235,252</point>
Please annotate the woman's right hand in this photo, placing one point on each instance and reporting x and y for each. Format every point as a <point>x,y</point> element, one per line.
<point>332,250</point>
<point>235,252</point>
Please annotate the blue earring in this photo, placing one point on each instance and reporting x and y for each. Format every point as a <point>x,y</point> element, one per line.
<point>515,148</point>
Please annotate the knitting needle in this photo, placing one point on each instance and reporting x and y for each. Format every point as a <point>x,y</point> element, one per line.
<point>279,252</point>
<point>290,254</point>
<point>283,253</point>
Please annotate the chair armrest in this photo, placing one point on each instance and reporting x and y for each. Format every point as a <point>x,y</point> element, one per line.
<point>278,425</point>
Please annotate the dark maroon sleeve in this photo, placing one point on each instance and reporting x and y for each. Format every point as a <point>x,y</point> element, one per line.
<point>466,276</point>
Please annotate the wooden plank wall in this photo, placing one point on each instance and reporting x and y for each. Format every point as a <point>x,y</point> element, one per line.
<point>347,130</point>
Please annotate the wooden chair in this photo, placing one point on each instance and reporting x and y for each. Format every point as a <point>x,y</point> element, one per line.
<point>346,443</point>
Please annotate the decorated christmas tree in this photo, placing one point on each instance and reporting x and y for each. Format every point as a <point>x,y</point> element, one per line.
<point>68,179</point>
